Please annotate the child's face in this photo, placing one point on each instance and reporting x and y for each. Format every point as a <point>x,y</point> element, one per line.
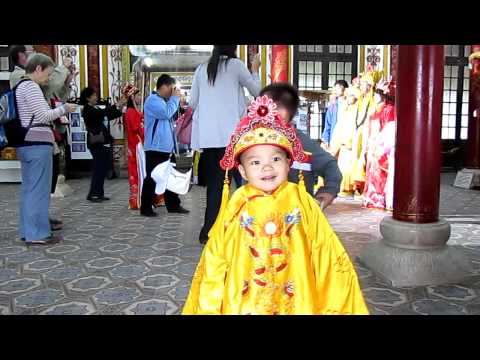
<point>265,167</point>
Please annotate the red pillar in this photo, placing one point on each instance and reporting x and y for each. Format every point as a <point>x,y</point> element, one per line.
<point>47,50</point>
<point>418,146</point>
<point>93,59</point>
<point>279,67</point>
<point>252,50</point>
<point>473,142</point>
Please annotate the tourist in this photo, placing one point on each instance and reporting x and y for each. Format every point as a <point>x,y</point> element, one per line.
<point>159,109</point>
<point>334,108</point>
<point>36,153</point>
<point>58,87</point>
<point>98,139</point>
<point>218,100</point>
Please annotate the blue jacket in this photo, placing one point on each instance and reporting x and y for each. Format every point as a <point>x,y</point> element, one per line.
<point>330,122</point>
<point>158,115</point>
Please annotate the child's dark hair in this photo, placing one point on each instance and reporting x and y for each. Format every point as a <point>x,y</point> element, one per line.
<point>283,94</point>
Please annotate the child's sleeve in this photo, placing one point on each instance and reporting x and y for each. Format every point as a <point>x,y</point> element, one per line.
<point>336,280</point>
<point>206,293</point>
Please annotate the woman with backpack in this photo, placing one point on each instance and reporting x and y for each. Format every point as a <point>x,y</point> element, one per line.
<point>36,151</point>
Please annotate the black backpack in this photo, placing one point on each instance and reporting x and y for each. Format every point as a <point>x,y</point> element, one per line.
<point>12,126</point>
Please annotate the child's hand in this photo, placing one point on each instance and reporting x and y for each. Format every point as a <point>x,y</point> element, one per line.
<point>324,198</point>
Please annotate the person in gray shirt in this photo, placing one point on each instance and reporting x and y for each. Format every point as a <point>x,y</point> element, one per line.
<point>323,163</point>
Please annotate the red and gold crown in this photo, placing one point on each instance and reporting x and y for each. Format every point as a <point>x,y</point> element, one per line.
<point>262,126</point>
<point>129,90</point>
<point>388,87</point>
<point>371,76</point>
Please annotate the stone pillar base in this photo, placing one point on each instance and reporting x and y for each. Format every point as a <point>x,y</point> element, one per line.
<point>403,259</point>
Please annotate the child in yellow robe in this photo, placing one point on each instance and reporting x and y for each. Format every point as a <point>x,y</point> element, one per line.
<point>271,249</point>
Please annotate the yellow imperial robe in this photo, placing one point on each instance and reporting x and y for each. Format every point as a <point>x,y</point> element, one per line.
<point>274,254</point>
<point>366,108</point>
<point>341,145</point>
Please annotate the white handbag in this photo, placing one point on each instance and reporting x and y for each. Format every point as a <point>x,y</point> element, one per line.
<point>179,182</point>
<point>168,178</point>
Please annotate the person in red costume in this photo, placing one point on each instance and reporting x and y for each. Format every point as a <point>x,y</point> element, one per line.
<point>135,135</point>
<point>380,151</point>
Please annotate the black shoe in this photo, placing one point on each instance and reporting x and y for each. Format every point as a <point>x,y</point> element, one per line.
<point>148,214</point>
<point>95,199</point>
<point>104,198</point>
<point>51,240</point>
<point>179,210</point>
<point>55,225</point>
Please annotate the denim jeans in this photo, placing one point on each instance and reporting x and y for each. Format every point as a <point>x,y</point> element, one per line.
<point>36,171</point>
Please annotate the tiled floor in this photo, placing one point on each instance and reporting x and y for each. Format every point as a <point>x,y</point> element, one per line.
<point>115,262</point>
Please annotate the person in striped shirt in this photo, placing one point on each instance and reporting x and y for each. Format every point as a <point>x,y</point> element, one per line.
<point>36,153</point>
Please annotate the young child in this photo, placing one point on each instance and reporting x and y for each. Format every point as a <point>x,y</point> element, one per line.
<point>271,249</point>
<point>322,164</point>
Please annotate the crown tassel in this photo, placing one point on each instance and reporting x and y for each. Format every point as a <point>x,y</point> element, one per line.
<point>218,226</point>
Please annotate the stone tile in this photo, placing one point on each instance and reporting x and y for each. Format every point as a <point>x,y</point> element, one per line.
<point>451,292</point>
<point>62,249</point>
<point>7,274</point>
<point>82,255</point>
<point>103,263</point>
<point>4,310</point>
<point>39,298</point>
<point>151,307</point>
<point>158,281</point>
<point>131,271</point>
<point>385,297</point>
<point>42,265</point>
<point>64,274</point>
<point>71,308</point>
<point>168,245</point>
<point>115,296</point>
<point>88,283</point>
<point>437,307</point>
<point>163,261</point>
<point>115,248</point>
<point>19,285</point>
<point>12,250</point>
<point>138,253</point>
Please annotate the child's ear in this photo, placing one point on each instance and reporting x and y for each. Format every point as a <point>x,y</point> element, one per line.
<point>241,169</point>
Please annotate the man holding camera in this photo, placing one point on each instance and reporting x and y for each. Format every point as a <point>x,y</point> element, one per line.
<point>159,108</point>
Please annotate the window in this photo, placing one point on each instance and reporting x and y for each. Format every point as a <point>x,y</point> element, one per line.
<point>318,67</point>
<point>456,85</point>
<point>4,58</point>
